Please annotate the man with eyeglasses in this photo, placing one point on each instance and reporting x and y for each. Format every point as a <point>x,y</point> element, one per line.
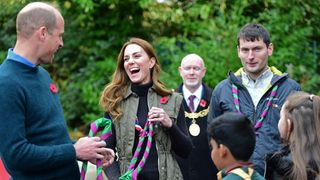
<point>256,90</point>
<point>196,104</point>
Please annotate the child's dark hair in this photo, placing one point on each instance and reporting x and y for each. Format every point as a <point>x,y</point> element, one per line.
<point>236,132</point>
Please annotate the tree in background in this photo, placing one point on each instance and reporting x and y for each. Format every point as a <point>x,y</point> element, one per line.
<point>96,29</point>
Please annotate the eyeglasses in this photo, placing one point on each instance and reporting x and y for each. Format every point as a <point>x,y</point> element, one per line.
<point>189,68</point>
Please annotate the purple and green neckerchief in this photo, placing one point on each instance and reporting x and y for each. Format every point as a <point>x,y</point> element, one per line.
<point>258,124</point>
<point>147,132</point>
<point>96,126</point>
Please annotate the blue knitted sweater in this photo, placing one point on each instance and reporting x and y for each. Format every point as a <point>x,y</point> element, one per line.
<point>34,141</point>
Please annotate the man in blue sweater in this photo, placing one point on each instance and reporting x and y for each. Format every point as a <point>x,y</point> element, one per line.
<point>34,140</point>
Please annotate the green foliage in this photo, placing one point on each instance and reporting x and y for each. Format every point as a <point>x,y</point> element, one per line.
<point>82,92</point>
<point>7,25</point>
<point>95,31</point>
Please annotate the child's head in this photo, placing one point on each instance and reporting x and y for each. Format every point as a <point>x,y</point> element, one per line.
<point>232,138</point>
<point>299,118</point>
<point>299,126</point>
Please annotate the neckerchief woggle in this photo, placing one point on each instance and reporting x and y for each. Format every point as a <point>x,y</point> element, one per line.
<point>98,125</point>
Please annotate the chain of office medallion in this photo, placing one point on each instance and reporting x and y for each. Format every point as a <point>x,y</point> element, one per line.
<point>194,115</point>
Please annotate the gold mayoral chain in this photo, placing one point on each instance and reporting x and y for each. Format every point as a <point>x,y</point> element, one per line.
<point>194,128</point>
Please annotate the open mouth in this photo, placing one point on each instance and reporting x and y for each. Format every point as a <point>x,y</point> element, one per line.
<point>134,70</point>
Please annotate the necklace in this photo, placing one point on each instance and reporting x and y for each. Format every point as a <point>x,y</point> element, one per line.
<point>194,128</point>
<point>236,101</point>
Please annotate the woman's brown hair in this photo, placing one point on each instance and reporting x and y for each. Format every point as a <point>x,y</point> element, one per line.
<point>303,110</point>
<point>114,92</point>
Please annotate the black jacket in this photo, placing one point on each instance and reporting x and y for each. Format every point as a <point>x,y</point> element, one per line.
<point>279,166</point>
<point>199,164</point>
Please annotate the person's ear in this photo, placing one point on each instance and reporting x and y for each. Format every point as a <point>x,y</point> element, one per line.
<point>289,128</point>
<point>152,62</point>
<point>180,70</point>
<point>270,49</point>
<point>41,33</point>
<point>204,70</point>
<point>222,150</point>
<point>238,50</point>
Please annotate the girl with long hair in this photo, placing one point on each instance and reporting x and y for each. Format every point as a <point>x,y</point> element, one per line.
<point>299,128</point>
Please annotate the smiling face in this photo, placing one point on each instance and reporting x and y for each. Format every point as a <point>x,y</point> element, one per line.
<point>137,64</point>
<point>192,71</point>
<point>254,56</point>
<point>52,41</point>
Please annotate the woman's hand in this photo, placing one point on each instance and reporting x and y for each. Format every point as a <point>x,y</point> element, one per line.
<point>108,158</point>
<point>159,115</point>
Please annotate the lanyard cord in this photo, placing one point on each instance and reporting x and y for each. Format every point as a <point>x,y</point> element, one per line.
<point>96,126</point>
<point>147,132</point>
<point>236,101</point>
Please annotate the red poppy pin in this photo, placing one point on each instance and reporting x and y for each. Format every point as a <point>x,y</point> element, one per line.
<point>203,103</point>
<point>164,100</point>
<point>53,88</point>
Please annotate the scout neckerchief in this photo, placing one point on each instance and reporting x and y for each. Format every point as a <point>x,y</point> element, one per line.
<point>98,125</point>
<point>147,132</point>
<point>237,169</point>
<point>239,172</point>
<point>258,124</point>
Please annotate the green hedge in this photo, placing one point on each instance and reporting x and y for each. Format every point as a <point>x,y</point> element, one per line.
<point>95,31</point>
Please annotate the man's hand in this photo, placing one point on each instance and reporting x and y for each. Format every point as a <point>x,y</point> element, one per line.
<point>88,148</point>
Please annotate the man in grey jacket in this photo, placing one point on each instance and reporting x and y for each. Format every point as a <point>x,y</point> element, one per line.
<point>256,90</point>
